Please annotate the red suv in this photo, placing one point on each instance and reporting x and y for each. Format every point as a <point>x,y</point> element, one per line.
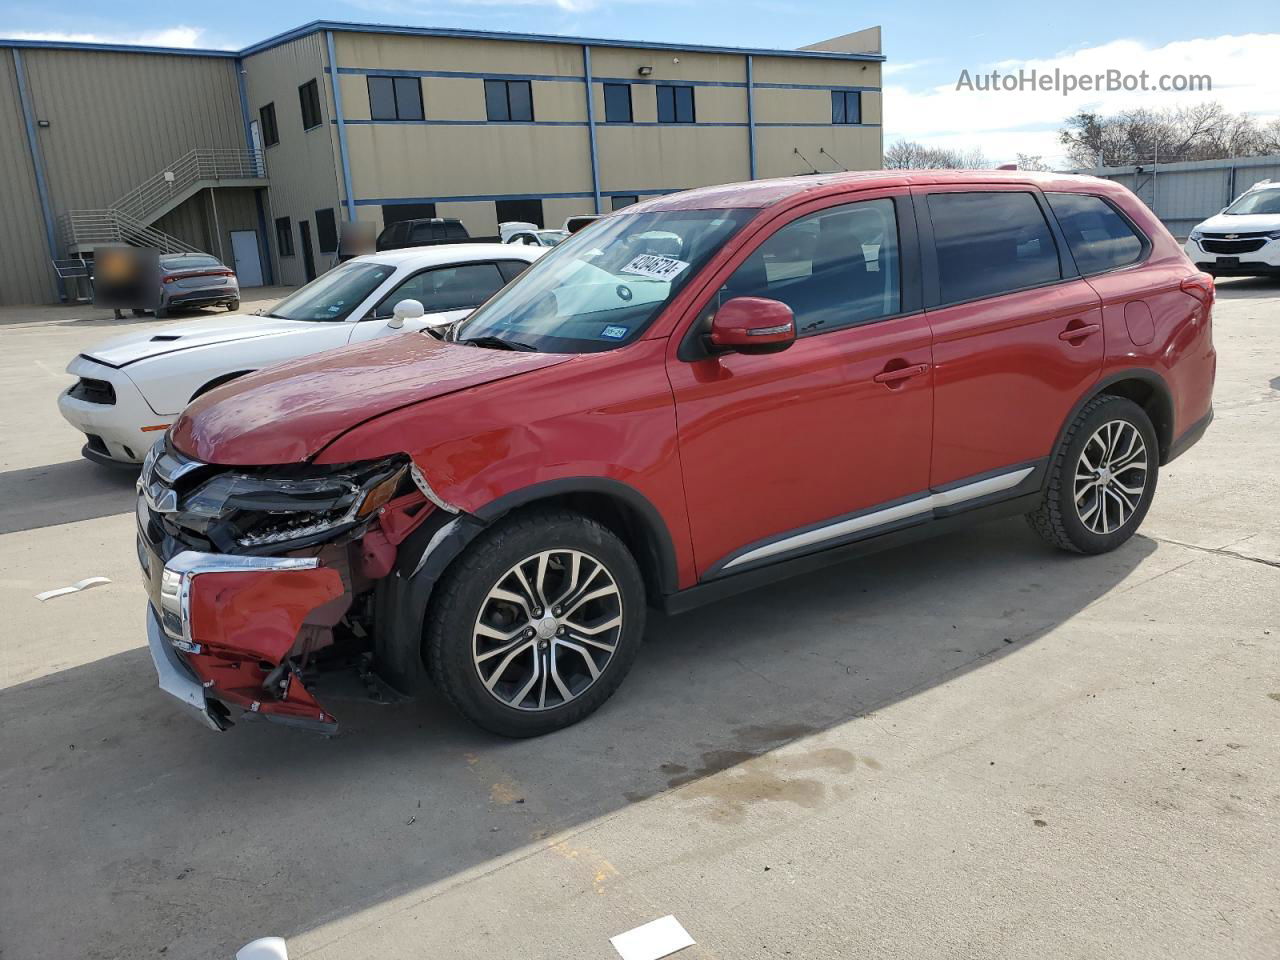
<point>692,397</point>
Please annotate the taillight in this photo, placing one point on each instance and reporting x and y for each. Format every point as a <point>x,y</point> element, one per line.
<point>1201,287</point>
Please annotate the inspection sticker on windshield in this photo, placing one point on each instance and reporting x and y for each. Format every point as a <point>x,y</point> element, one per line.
<point>615,333</point>
<point>655,267</point>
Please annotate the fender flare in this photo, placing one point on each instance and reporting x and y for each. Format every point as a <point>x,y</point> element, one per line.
<point>1098,387</point>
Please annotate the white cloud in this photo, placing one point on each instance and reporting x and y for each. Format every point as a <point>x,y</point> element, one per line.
<point>185,37</point>
<point>1004,123</point>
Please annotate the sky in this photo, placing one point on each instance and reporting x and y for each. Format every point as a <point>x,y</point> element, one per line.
<point>929,45</point>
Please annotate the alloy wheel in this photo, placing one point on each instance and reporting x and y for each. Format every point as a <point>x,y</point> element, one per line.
<point>547,629</point>
<point>1110,477</point>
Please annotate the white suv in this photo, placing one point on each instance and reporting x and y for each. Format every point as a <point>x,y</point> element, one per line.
<point>1244,239</point>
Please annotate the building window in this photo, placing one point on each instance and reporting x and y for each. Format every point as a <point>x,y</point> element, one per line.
<point>675,104</point>
<point>309,98</point>
<point>846,106</point>
<point>284,237</point>
<point>617,103</point>
<point>624,200</point>
<point>395,212</point>
<point>327,230</point>
<point>267,120</point>
<point>395,98</point>
<point>520,211</point>
<point>507,100</point>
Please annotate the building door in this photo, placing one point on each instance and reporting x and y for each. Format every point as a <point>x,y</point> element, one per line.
<point>308,257</point>
<point>248,263</point>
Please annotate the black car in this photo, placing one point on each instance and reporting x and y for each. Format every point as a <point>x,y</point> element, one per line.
<point>422,233</point>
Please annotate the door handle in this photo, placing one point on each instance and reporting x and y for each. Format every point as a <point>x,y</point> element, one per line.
<point>1080,332</point>
<point>891,377</point>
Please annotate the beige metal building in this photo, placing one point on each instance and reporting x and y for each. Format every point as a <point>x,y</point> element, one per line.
<point>259,155</point>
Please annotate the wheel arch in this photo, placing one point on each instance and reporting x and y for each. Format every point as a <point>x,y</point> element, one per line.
<point>218,381</point>
<point>1144,387</point>
<point>628,513</point>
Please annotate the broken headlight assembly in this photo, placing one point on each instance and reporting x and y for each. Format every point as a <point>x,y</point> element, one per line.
<point>289,507</point>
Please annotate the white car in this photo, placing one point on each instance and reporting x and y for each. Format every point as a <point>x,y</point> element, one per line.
<point>131,387</point>
<point>1244,239</point>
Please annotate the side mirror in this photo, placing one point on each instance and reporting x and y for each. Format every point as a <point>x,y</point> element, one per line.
<point>753,325</point>
<point>406,310</point>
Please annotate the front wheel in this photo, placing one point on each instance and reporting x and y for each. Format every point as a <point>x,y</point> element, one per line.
<point>535,626</point>
<point>1102,478</point>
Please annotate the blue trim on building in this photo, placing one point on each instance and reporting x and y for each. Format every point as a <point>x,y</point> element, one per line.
<point>751,118</point>
<point>482,198</point>
<point>37,163</point>
<point>815,86</point>
<point>833,126</point>
<point>464,123</point>
<point>591,125</point>
<point>456,74</point>
<point>343,26</point>
<point>340,120</point>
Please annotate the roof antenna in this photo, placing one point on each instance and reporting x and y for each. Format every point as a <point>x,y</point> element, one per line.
<point>842,167</point>
<point>805,159</point>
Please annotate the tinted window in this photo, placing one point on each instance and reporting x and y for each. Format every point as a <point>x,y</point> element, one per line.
<point>446,288</point>
<point>395,98</point>
<point>270,133</point>
<point>675,104</point>
<point>190,261</point>
<point>846,106</point>
<point>508,100</point>
<point>834,269</point>
<point>1256,201</point>
<point>327,230</point>
<point>455,231</point>
<point>990,243</point>
<point>382,98</point>
<point>425,232</point>
<point>1099,238</point>
<point>284,237</point>
<point>512,268</point>
<point>520,211</point>
<point>617,103</point>
<point>309,100</point>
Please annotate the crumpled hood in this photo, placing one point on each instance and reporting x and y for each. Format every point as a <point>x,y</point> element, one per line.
<point>290,412</point>
<point>1247,223</point>
<point>132,347</point>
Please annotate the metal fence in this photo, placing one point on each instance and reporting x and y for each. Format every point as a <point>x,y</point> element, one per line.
<point>1183,194</point>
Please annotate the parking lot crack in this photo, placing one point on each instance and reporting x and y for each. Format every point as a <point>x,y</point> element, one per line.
<point>1222,551</point>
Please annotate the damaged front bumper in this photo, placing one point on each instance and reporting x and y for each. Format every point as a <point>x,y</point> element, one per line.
<point>222,630</point>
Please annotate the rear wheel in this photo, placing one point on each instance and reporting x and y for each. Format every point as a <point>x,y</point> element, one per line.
<point>233,305</point>
<point>1102,478</point>
<point>536,624</point>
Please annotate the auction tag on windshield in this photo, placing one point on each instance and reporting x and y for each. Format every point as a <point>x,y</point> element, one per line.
<point>655,267</point>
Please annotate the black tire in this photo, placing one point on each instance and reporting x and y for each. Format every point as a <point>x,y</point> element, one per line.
<point>139,313</point>
<point>162,313</point>
<point>1057,519</point>
<point>460,595</point>
<point>233,306</point>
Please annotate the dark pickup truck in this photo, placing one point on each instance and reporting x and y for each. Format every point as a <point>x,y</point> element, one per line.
<point>422,233</point>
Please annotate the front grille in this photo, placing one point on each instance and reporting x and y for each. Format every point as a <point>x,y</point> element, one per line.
<point>93,391</point>
<point>1233,246</point>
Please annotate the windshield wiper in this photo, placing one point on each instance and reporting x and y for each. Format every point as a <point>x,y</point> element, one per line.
<point>498,343</point>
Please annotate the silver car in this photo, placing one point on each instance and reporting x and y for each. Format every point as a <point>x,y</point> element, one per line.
<point>195,280</point>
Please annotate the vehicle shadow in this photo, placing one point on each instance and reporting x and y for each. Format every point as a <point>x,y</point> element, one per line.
<point>56,493</point>
<point>140,831</point>
<point>1247,288</point>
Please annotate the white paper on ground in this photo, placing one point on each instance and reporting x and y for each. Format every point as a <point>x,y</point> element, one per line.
<point>76,587</point>
<point>658,938</point>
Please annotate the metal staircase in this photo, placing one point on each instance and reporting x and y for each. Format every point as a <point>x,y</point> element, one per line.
<point>129,220</point>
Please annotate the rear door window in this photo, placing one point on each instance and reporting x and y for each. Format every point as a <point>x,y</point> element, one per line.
<point>1100,239</point>
<point>990,243</point>
<point>424,232</point>
<point>835,268</point>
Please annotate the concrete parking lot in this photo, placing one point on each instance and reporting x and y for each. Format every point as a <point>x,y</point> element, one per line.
<point>973,747</point>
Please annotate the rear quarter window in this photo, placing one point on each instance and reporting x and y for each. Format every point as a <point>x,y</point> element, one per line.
<point>1099,237</point>
<point>990,243</point>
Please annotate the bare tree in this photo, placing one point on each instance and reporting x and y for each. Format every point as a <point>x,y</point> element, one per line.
<point>1204,131</point>
<point>1031,161</point>
<point>911,155</point>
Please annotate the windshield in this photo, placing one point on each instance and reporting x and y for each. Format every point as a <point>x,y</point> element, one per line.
<point>1259,201</point>
<point>334,295</point>
<point>602,287</point>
